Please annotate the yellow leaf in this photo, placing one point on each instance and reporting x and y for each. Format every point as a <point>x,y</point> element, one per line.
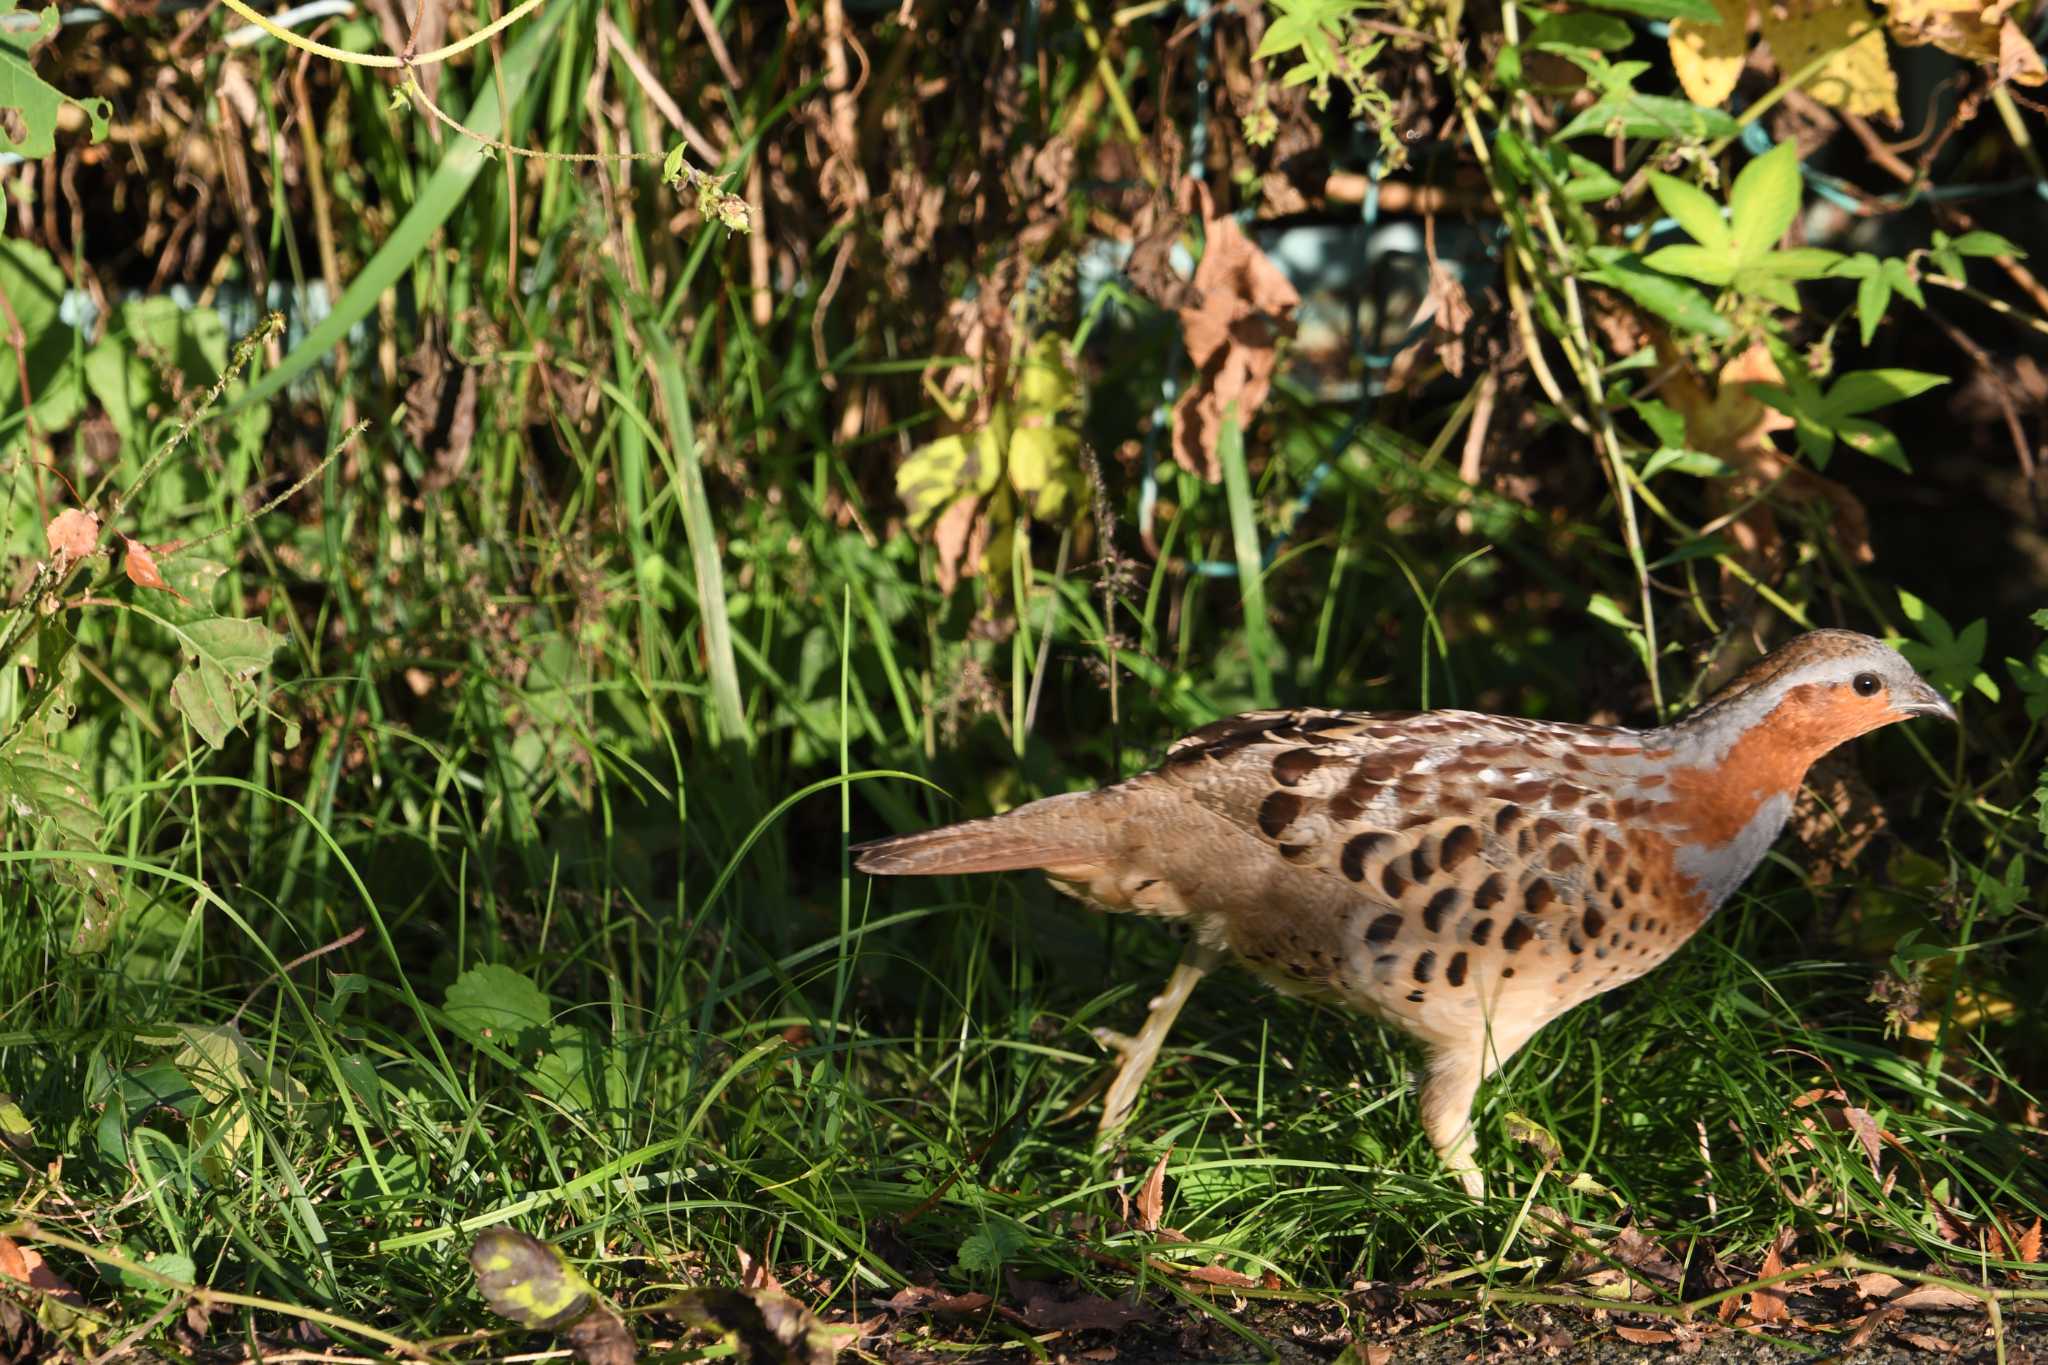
<point>1708,57</point>
<point>1857,78</point>
<point>931,476</point>
<point>1955,26</point>
<point>1045,382</point>
<point>1041,466</point>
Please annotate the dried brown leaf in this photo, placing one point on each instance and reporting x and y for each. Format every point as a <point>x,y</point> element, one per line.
<point>1933,1345</point>
<point>1936,1296</point>
<point>919,1298</point>
<point>138,561</point>
<point>1213,1274</point>
<point>1043,1309</point>
<point>1645,1336</point>
<point>1446,305</point>
<point>1152,1195</point>
<point>1768,1304</point>
<point>1246,306</point>
<point>2018,62</point>
<point>1875,1284</point>
<point>72,534</point>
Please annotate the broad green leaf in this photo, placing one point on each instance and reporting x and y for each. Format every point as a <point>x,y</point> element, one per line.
<point>1596,31</point>
<point>223,653</point>
<point>49,791</point>
<point>494,1000</point>
<point>1657,116</point>
<point>36,100</point>
<point>1800,262</point>
<point>1863,390</point>
<point>1678,304</point>
<point>1764,200</point>
<point>1694,210</point>
<point>1945,657</point>
<point>987,1250</point>
<point>1862,434</point>
<point>35,286</point>
<point>1981,243</point>
<point>1693,262</point>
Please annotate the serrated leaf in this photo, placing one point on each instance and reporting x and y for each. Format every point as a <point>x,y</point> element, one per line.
<point>1679,304</point>
<point>1693,262</point>
<point>212,691</point>
<point>1694,210</point>
<point>496,1002</point>
<point>1763,201</point>
<point>49,791</point>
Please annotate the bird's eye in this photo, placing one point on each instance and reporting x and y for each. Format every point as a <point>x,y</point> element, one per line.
<point>1867,684</point>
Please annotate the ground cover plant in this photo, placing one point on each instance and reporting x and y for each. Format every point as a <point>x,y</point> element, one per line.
<point>499,499</point>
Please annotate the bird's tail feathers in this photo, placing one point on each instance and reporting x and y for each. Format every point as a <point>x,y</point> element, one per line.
<point>1051,833</point>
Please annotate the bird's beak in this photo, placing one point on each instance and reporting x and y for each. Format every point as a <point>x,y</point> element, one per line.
<point>1923,700</point>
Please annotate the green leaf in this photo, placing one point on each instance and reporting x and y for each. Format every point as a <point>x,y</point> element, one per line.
<point>36,99</point>
<point>1695,211</point>
<point>1863,390</point>
<point>1595,31</point>
<point>1764,200</point>
<point>1693,262</point>
<point>1701,11</point>
<point>989,1248</point>
<point>493,1000</point>
<point>1945,657</point>
<point>1656,116</point>
<point>50,792</point>
<point>1900,276</point>
<point>1873,296</point>
<point>1678,304</point>
<point>1800,262</point>
<point>1982,243</point>
<point>223,653</point>
<point>1877,442</point>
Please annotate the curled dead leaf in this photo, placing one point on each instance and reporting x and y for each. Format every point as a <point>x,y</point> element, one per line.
<point>138,561</point>
<point>1246,305</point>
<point>1152,1195</point>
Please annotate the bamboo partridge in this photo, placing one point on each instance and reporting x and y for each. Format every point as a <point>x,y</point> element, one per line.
<point>1464,877</point>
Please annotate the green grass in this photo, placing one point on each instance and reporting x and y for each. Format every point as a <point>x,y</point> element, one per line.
<point>520,897</point>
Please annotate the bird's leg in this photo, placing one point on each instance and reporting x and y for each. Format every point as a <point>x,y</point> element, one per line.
<point>1448,1089</point>
<point>1141,1050</point>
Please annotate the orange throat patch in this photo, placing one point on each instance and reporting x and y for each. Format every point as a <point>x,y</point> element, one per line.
<point>1714,805</point>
